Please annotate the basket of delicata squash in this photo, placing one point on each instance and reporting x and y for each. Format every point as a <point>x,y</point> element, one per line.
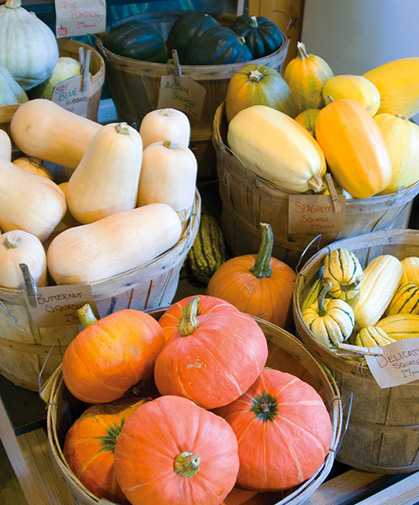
<point>198,403</point>
<point>352,298</point>
<point>122,221</point>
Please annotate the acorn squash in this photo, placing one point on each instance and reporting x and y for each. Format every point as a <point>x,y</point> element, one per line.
<point>262,36</point>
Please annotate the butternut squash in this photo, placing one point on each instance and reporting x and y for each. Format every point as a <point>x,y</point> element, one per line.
<point>354,148</point>
<point>106,179</point>
<point>115,244</point>
<point>28,202</point>
<point>381,278</point>
<point>168,175</point>
<point>5,146</point>
<point>16,247</point>
<point>165,124</point>
<point>42,129</point>
<point>33,166</point>
<point>277,148</point>
<point>402,140</point>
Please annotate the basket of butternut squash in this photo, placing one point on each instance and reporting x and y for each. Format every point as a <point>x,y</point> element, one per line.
<point>352,298</point>
<point>122,223</point>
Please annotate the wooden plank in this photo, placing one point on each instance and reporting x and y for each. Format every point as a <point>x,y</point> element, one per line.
<point>404,492</point>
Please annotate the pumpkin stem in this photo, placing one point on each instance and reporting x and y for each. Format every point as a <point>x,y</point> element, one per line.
<point>187,464</point>
<point>122,128</point>
<point>36,162</point>
<point>189,322</point>
<point>170,145</point>
<point>86,315</point>
<point>265,406</point>
<point>321,298</point>
<point>12,241</point>
<point>253,22</point>
<point>328,99</point>
<point>302,51</point>
<point>255,75</point>
<point>262,266</point>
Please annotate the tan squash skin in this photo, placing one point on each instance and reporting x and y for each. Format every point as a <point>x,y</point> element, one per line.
<point>33,166</point>
<point>29,202</point>
<point>106,180</point>
<point>5,146</point>
<point>165,124</point>
<point>113,245</point>
<point>42,129</point>
<point>18,246</point>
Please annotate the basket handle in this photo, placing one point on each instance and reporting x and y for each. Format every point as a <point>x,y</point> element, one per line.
<point>290,19</point>
<point>348,402</point>
<point>318,237</point>
<point>176,67</point>
<point>44,390</point>
<point>30,285</point>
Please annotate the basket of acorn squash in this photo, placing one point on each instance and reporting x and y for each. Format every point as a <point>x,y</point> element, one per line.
<point>351,298</point>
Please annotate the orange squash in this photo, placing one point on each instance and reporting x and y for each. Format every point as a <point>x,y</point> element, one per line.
<point>90,442</point>
<point>257,284</point>
<point>111,354</point>
<point>354,148</point>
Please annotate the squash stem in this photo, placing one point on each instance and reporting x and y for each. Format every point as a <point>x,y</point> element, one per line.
<point>86,315</point>
<point>302,51</point>
<point>36,162</point>
<point>187,464</point>
<point>12,241</point>
<point>122,128</point>
<point>255,75</point>
<point>13,4</point>
<point>189,322</point>
<point>253,22</point>
<point>316,183</point>
<point>170,145</point>
<point>321,298</point>
<point>262,267</point>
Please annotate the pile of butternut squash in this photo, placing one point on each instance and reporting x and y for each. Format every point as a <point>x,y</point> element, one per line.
<point>365,307</point>
<point>355,126</point>
<point>127,198</point>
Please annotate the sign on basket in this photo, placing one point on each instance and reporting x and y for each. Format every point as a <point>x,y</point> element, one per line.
<point>80,17</point>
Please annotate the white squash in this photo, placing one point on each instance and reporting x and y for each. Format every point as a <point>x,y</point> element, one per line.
<point>28,47</point>
<point>16,247</point>
<point>11,93</point>
<point>168,175</point>
<point>28,202</point>
<point>165,124</point>
<point>5,146</point>
<point>33,166</point>
<point>113,245</point>
<point>277,148</point>
<point>106,179</point>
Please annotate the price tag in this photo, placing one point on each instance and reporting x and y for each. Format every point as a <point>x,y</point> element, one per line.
<point>186,95</point>
<point>79,17</point>
<point>315,214</point>
<point>57,305</point>
<point>68,95</point>
<point>399,363</point>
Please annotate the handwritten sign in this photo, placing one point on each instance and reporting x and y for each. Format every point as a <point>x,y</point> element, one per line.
<point>79,17</point>
<point>57,305</point>
<point>315,214</point>
<point>399,363</point>
<point>68,95</point>
<point>185,95</point>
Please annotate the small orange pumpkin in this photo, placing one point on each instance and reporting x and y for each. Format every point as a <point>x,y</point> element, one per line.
<point>112,354</point>
<point>257,284</point>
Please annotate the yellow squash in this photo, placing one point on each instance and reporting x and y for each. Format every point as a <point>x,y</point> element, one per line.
<point>371,336</point>
<point>277,148</point>
<point>410,270</point>
<point>405,300</point>
<point>354,148</point>
<point>400,326</point>
<point>307,119</point>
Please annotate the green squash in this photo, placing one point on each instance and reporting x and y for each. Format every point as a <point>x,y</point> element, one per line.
<point>185,28</point>
<point>11,93</point>
<point>208,251</point>
<point>262,36</point>
<point>136,40</point>
<point>218,46</point>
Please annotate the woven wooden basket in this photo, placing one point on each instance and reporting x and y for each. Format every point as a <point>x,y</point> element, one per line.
<point>24,347</point>
<point>69,47</point>
<point>383,431</point>
<point>248,200</point>
<point>286,353</point>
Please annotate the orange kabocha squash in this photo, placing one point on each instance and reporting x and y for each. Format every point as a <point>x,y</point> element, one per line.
<point>90,442</point>
<point>112,354</point>
<point>283,429</point>
<point>213,352</point>
<point>306,75</point>
<point>171,451</point>
<point>354,148</point>
<point>257,284</point>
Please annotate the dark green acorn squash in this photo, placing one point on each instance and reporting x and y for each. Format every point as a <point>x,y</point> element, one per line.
<point>218,46</point>
<point>262,36</point>
<point>185,28</point>
<point>136,40</point>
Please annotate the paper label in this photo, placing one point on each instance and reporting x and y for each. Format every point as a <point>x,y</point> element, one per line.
<point>57,305</point>
<point>399,363</point>
<point>315,214</point>
<point>67,94</point>
<point>187,96</point>
<point>79,17</point>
